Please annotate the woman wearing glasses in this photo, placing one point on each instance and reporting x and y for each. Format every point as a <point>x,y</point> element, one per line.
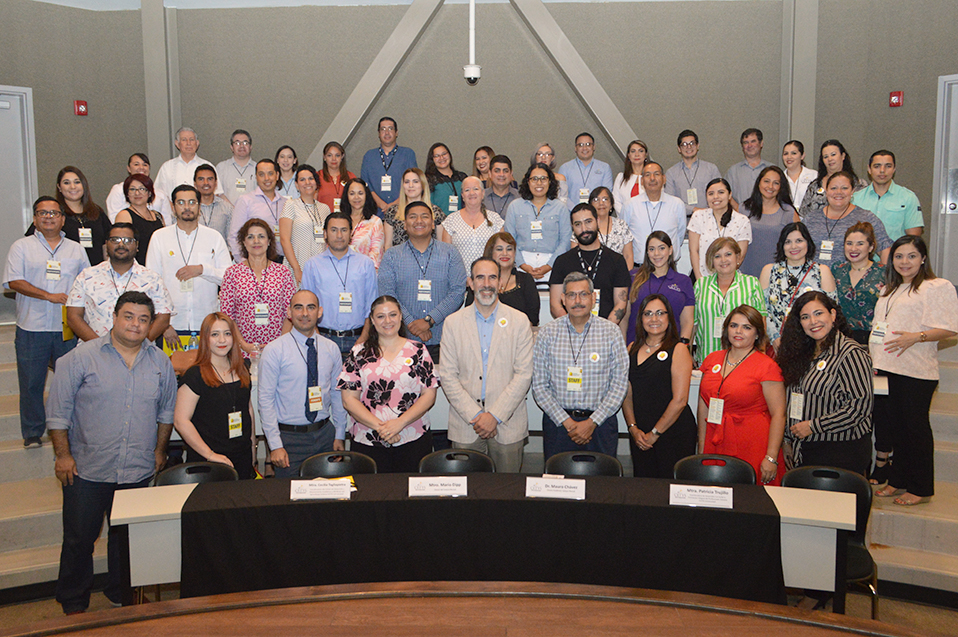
<point>614,232</point>
<point>656,406</point>
<point>138,190</point>
<point>545,154</point>
<point>445,182</point>
<point>539,222</point>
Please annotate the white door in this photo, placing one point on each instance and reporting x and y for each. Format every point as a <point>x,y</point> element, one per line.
<point>944,211</point>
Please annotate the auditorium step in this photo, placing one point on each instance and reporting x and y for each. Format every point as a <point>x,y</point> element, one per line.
<point>41,564</point>
<point>17,463</point>
<point>914,567</point>
<point>30,514</point>
<point>10,417</point>
<point>926,527</point>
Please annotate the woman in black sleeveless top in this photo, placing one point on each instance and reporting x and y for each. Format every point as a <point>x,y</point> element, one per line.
<point>656,405</point>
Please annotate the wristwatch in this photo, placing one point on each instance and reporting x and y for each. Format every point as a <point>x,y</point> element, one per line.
<point>431,321</point>
<point>684,340</point>
<point>655,431</point>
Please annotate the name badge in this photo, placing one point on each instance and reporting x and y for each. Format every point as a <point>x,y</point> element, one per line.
<point>345,302</point>
<point>276,231</point>
<point>53,270</point>
<point>261,314</point>
<point>240,185</point>
<point>424,292</point>
<point>583,195</point>
<point>186,286</point>
<point>595,306</point>
<point>692,195</point>
<point>318,233</point>
<point>536,228</point>
<point>796,406</point>
<point>235,424</point>
<point>453,203</point>
<point>386,183</point>
<point>717,327</point>
<point>336,201</point>
<point>879,329</point>
<point>315,398</point>
<point>86,237</point>
<point>574,379</point>
<point>716,408</point>
<point>825,254</point>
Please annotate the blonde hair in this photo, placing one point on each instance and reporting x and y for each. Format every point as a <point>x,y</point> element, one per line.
<point>403,201</point>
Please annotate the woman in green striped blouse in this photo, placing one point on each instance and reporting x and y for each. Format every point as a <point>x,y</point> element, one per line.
<point>720,292</point>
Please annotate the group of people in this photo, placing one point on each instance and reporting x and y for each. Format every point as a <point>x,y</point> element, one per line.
<point>349,301</point>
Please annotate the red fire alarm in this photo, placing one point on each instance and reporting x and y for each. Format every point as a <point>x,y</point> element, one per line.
<point>79,107</point>
<point>895,98</point>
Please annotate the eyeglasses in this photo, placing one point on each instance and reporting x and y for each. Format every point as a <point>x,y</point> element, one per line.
<point>383,129</point>
<point>688,144</point>
<point>602,199</point>
<point>138,191</point>
<point>185,202</point>
<point>582,295</point>
<point>240,142</point>
<point>538,179</point>
<point>656,314</point>
<point>440,155</point>
<point>549,154</point>
<point>584,145</point>
<point>49,213</point>
<point>121,240</point>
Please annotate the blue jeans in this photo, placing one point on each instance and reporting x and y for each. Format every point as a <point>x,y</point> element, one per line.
<point>555,438</point>
<point>84,505</point>
<point>35,352</point>
<point>344,343</point>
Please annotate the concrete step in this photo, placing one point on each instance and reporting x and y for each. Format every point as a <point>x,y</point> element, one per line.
<point>918,568</point>
<point>10,417</point>
<point>944,416</point>
<point>946,461</point>
<point>948,350</point>
<point>929,527</point>
<point>41,564</point>
<point>17,463</point>
<point>30,514</point>
<point>948,383</point>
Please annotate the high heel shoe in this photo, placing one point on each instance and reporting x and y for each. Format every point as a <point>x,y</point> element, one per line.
<point>882,471</point>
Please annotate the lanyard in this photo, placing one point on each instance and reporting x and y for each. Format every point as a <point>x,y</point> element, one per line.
<point>312,210</point>
<point>591,270</point>
<point>383,156</point>
<point>207,220</point>
<point>274,205</point>
<point>585,178</point>
<point>798,286</point>
<point>416,257</point>
<point>342,279</point>
<point>585,334</point>
<point>113,278</point>
<point>685,171</point>
<point>724,296</point>
<point>834,225</point>
<point>46,244</point>
<point>260,285</point>
<point>232,384</point>
<point>648,213</point>
<point>242,173</point>
<point>725,376</point>
<point>186,261</point>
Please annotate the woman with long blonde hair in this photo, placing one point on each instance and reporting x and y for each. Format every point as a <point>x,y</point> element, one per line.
<point>414,187</point>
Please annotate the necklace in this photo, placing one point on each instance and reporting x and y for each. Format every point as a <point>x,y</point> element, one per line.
<point>732,365</point>
<point>867,265</point>
<point>648,347</point>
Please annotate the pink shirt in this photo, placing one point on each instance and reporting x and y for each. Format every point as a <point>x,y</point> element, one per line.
<point>241,292</point>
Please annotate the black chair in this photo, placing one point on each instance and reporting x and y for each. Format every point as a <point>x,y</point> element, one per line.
<point>584,463</point>
<point>457,461</point>
<point>196,473</point>
<point>712,468</point>
<point>336,464</point>
<point>861,568</point>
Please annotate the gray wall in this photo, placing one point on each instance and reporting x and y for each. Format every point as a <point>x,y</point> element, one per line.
<point>66,54</point>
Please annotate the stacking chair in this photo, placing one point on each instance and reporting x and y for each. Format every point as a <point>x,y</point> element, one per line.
<point>584,463</point>
<point>457,461</point>
<point>196,473</point>
<point>861,568</point>
<point>336,464</point>
<point>711,468</point>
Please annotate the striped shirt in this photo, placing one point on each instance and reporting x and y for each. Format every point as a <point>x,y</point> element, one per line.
<point>837,395</point>
<point>711,304</point>
<point>599,350</point>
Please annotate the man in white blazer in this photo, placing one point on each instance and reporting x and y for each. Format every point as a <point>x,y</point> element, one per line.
<point>486,371</point>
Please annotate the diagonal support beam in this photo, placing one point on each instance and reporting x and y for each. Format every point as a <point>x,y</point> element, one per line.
<point>576,72</point>
<point>377,77</point>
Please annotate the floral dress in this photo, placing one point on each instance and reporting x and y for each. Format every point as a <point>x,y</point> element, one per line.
<point>240,293</point>
<point>368,238</point>
<point>619,235</point>
<point>388,389</point>
<point>784,286</point>
<point>858,301</point>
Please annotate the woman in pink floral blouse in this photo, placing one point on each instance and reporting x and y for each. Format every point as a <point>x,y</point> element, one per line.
<point>368,233</point>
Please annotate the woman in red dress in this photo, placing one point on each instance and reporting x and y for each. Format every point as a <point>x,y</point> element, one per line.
<point>741,409</point>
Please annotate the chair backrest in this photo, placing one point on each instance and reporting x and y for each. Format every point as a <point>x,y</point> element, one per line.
<point>196,473</point>
<point>336,464</point>
<point>835,479</point>
<point>584,463</point>
<point>457,461</point>
<point>712,468</point>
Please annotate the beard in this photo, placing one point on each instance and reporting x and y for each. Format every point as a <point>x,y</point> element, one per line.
<point>587,238</point>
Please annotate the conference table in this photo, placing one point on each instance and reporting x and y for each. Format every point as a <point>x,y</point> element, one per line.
<point>245,536</point>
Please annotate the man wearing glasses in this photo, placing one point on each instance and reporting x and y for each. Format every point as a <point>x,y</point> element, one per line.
<point>191,260</point>
<point>92,300</point>
<point>585,173</point>
<point>238,173</point>
<point>383,166</point>
<point>579,377</point>
<point>40,269</point>
<point>688,178</point>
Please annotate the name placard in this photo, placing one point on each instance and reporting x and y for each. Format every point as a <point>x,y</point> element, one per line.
<point>690,495</point>
<point>560,488</point>
<point>319,489</point>
<point>437,486</point>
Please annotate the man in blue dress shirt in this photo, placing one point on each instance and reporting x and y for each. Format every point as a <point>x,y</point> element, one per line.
<point>344,281</point>
<point>299,406</point>
<point>383,166</point>
<point>584,173</point>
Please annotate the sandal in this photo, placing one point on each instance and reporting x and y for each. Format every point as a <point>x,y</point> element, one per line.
<point>908,502</point>
<point>888,491</point>
<point>882,471</point>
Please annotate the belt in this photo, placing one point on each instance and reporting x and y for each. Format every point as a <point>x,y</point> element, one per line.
<point>304,429</point>
<point>353,332</point>
<point>579,414</point>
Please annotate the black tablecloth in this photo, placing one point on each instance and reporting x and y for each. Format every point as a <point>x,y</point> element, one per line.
<point>248,535</point>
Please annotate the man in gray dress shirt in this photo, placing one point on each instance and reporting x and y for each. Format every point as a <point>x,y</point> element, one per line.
<point>741,177</point>
<point>215,211</point>
<point>688,178</point>
<point>501,193</point>
<point>110,415</point>
<point>238,173</point>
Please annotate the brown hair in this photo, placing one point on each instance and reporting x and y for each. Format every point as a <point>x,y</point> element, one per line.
<point>241,236</point>
<point>90,210</point>
<point>718,244</point>
<point>754,317</point>
<point>866,229</point>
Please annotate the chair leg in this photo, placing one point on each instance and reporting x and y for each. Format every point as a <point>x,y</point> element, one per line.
<point>873,591</point>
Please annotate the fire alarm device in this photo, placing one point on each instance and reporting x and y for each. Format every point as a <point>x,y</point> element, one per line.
<point>895,98</point>
<point>79,107</point>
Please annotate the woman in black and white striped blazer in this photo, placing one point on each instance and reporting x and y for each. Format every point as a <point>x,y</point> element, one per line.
<point>829,385</point>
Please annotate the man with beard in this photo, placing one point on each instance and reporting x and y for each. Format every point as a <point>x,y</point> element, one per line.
<point>97,288</point>
<point>191,259</point>
<point>487,413</point>
<point>299,406</point>
<point>605,267</point>
<point>216,212</point>
<point>579,377</point>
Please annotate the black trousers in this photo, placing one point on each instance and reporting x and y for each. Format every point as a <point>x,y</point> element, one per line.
<point>904,414</point>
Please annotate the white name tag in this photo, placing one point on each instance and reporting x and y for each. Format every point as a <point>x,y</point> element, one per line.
<point>453,203</point>
<point>536,228</point>
<point>583,195</point>
<point>240,185</point>
<point>574,379</point>
<point>557,488</point>
<point>315,398</point>
<point>235,420</point>
<point>692,195</point>
<point>424,291</point>
<point>86,237</point>
<point>716,409</point>
<point>688,495</point>
<point>261,314</point>
<point>719,324</point>
<point>318,233</point>
<point>386,183</point>
<point>336,201</point>
<point>186,286</point>
<point>438,486</point>
<point>338,489</point>
<point>53,270</point>
<point>879,329</point>
<point>595,306</point>
<point>825,254</point>
<point>345,302</point>
<point>796,406</point>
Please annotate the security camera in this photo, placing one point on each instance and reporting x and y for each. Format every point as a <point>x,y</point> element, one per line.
<point>472,73</point>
